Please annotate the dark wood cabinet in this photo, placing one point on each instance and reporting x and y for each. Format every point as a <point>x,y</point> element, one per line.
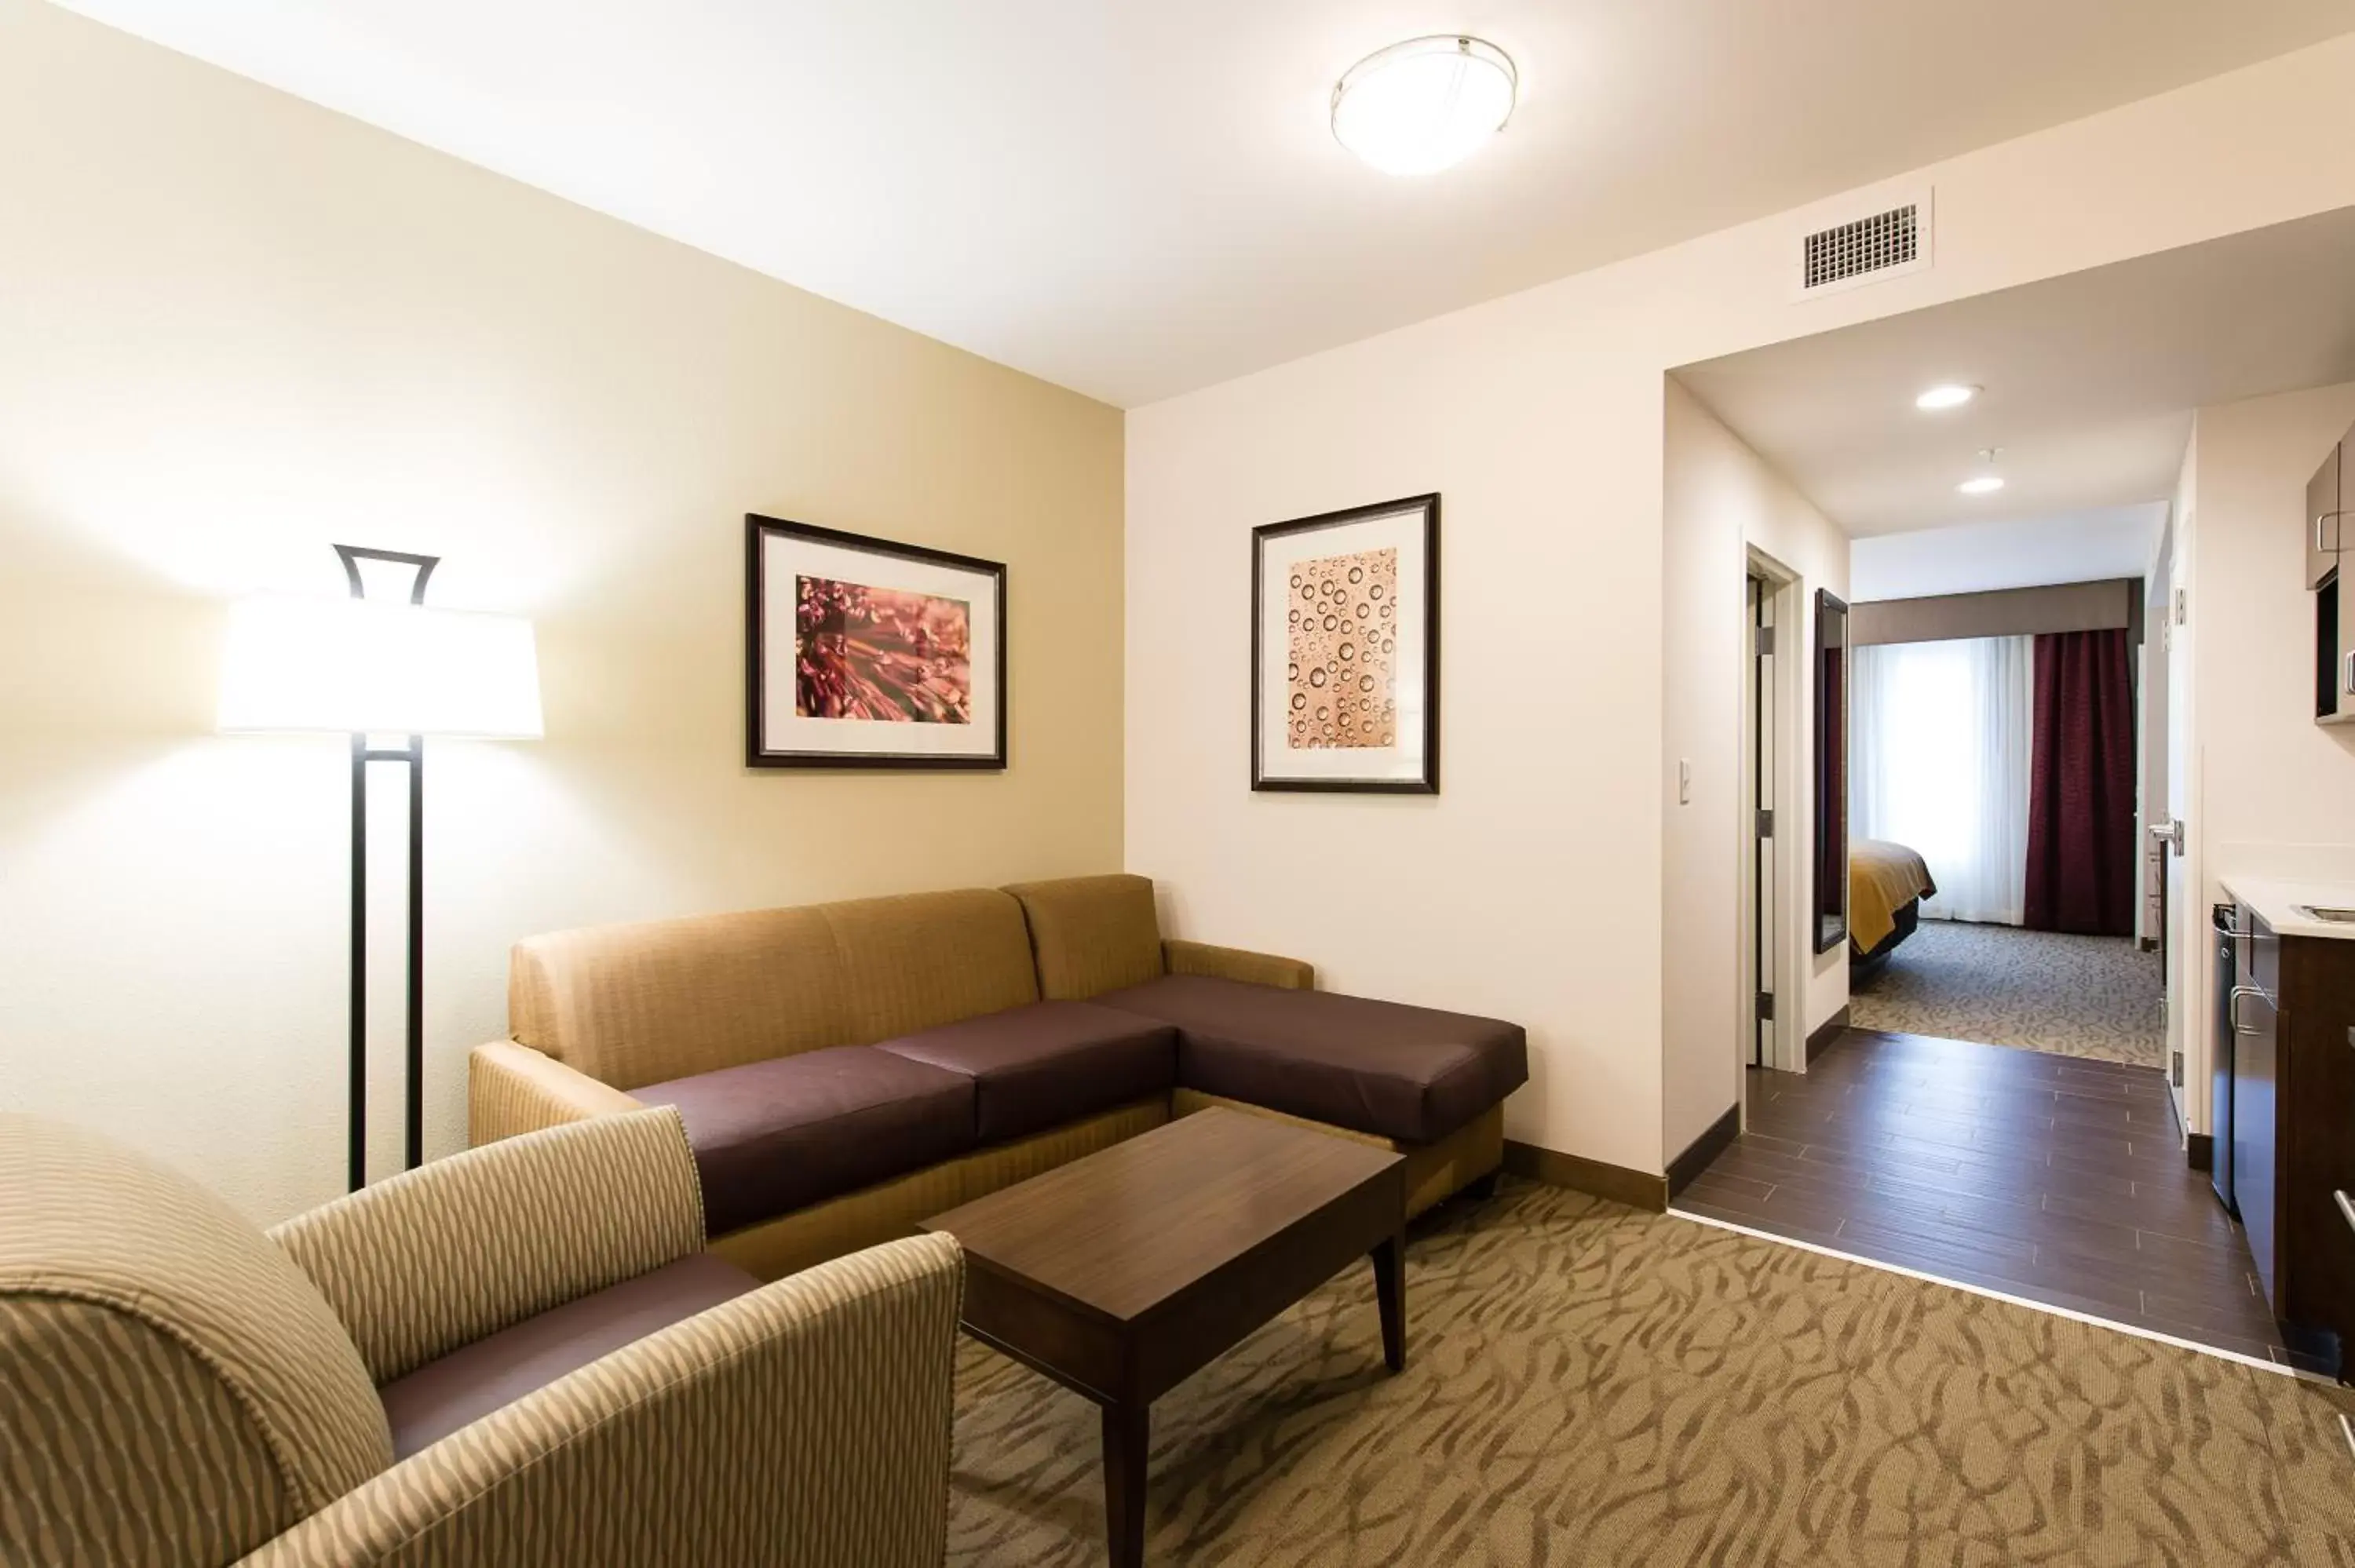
<point>2295,1088</point>
<point>2330,496</point>
<point>2322,518</point>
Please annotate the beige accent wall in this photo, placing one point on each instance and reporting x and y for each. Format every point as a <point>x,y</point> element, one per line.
<point>1720,500</point>
<point>2105,606</point>
<point>1533,886</point>
<point>234,328</point>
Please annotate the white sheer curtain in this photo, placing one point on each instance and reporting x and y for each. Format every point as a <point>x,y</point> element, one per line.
<point>1940,765</point>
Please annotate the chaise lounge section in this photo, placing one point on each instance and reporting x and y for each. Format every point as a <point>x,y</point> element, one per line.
<point>846,1070</point>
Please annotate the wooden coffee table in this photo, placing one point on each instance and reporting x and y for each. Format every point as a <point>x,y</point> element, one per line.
<point>1122,1274</point>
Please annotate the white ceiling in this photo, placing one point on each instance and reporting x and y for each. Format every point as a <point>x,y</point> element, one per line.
<point>1976,557</point>
<point>1136,199</point>
<point>2091,381</point>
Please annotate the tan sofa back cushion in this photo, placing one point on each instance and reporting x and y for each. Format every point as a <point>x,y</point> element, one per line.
<point>667,998</point>
<point>1091,934</point>
<point>175,1387</point>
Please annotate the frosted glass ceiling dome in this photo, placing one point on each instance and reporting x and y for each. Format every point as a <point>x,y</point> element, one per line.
<point>1418,107</point>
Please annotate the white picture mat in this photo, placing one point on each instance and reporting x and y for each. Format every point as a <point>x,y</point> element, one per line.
<point>1403,531</point>
<point>783,558</point>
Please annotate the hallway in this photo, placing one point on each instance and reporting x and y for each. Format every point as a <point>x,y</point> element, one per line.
<point>2051,1179</point>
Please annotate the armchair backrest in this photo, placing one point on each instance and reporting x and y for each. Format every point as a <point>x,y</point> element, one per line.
<point>173,1388</point>
<point>422,1263</point>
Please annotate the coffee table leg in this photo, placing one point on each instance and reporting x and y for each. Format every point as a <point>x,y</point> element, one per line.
<point>1127,1438</point>
<point>1390,1290</point>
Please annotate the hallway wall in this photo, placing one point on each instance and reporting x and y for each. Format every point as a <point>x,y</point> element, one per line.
<point>1719,499</point>
<point>2271,792</point>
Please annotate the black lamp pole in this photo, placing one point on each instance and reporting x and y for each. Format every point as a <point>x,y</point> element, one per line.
<point>414,756</point>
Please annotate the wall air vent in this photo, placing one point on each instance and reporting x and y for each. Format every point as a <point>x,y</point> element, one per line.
<point>1890,240</point>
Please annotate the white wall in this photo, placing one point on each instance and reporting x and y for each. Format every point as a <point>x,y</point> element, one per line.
<point>1719,499</point>
<point>2185,947</point>
<point>1532,887</point>
<point>234,328</point>
<point>2274,792</point>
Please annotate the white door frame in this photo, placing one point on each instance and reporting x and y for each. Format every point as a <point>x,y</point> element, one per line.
<point>1792,820</point>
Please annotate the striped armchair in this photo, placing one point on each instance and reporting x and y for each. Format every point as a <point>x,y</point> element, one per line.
<point>521,1355</point>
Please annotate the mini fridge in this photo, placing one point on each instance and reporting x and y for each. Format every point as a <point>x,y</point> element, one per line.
<point>2227,938</point>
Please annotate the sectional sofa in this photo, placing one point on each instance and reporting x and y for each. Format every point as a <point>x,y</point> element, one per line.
<point>846,1070</point>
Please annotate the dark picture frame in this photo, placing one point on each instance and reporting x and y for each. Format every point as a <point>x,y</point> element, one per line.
<point>1831,903</point>
<point>763,748</point>
<point>1396,776</point>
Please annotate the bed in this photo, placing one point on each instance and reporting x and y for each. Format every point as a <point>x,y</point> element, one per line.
<point>1886,885</point>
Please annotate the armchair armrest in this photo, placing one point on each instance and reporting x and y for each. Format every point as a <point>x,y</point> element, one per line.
<point>807,1422</point>
<point>512,1088</point>
<point>1235,964</point>
<point>439,1256</point>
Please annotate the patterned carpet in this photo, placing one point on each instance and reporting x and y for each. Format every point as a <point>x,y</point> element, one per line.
<point>2078,996</point>
<point>1587,1385</point>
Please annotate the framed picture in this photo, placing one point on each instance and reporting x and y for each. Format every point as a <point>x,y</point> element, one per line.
<point>863,654</point>
<point>1345,651</point>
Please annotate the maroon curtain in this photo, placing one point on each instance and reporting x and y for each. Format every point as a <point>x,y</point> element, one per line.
<point>2080,791</point>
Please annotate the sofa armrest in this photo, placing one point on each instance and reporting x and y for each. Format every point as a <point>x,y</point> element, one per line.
<point>1235,964</point>
<point>512,1088</point>
<point>439,1256</point>
<point>807,1422</point>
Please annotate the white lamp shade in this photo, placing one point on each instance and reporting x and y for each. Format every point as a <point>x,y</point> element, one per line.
<point>380,667</point>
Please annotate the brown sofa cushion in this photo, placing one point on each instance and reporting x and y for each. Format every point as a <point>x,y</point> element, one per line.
<point>468,1383</point>
<point>772,1137</point>
<point>1033,1067</point>
<point>1408,1073</point>
<point>1090,934</point>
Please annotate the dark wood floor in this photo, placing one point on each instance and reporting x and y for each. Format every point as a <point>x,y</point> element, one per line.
<point>2053,1178</point>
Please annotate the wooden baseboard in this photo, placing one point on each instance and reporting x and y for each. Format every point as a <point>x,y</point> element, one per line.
<point>1636,1189</point>
<point>1704,1148</point>
<point>2199,1148</point>
<point>1833,1028</point>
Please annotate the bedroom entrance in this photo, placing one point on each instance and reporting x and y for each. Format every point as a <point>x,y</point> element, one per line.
<point>1996,873</point>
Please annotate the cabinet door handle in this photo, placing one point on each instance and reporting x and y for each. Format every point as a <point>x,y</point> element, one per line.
<point>2320,519</point>
<point>2232,1007</point>
<point>2345,1209</point>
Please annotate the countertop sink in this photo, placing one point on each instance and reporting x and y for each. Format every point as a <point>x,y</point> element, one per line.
<point>2325,912</point>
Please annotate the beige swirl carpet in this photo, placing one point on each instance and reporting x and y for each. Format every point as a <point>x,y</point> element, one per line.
<point>1590,1385</point>
<point>2077,996</point>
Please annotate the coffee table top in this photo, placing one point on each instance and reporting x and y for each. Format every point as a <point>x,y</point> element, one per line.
<point>1119,1231</point>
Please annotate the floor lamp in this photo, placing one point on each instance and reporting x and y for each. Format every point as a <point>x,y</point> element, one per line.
<point>380,667</point>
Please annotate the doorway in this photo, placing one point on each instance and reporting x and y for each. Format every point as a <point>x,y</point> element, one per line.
<point>1769,1035</point>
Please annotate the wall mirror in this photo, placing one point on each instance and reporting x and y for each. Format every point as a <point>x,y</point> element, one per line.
<point>1832,771</point>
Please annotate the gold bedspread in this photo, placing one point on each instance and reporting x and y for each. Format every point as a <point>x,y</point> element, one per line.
<point>1880,878</point>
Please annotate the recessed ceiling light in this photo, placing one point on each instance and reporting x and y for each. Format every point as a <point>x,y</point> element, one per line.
<point>1417,107</point>
<point>1988,482</point>
<point>1946,394</point>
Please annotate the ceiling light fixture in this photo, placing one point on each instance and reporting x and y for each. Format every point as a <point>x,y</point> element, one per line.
<point>1985,483</point>
<point>1946,394</point>
<point>1418,107</point>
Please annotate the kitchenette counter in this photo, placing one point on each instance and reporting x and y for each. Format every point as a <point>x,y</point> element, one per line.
<point>2283,905</point>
